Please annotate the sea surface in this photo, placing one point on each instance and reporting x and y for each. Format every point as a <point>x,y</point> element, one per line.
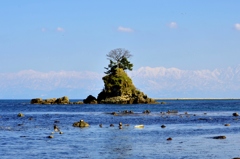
<point>192,130</point>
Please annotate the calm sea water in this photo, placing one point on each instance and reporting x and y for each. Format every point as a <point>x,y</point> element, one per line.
<point>191,133</point>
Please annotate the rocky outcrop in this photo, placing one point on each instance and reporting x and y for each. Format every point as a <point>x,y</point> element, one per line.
<point>119,89</point>
<point>90,100</point>
<point>37,101</point>
<point>62,100</point>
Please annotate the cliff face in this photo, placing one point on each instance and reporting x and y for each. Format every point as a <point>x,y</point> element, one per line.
<point>119,89</point>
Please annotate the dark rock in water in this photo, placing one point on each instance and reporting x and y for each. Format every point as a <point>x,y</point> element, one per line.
<point>119,89</point>
<point>226,124</point>
<point>169,139</point>
<point>55,127</point>
<point>50,136</point>
<point>236,158</point>
<point>100,125</point>
<point>146,111</point>
<point>163,126</point>
<point>235,114</point>
<point>56,121</point>
<point>114,113</point>
<point>172,111</point>
<point>90,100</point>
<point>219,137</point>
<point>81,124</point>
<point>20,115</point>
<point>111,125</point>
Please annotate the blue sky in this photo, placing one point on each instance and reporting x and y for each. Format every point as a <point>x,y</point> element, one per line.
<point>61,35</point>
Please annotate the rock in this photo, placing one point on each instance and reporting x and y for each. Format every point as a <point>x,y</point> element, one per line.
<point>55,127</point>
<point>139,126</point>
<point>90,100</point>
<point>63,100</point>
<point>49,101</point>
<point>36,101</point>
<point>172,112</point>
<point>146,112</point>
<point>114,113</point>
<point>226,124</point>
<point>219,137</point>
<point>163,126</point>
<point>60,132</point>
<point>100,125</point>
<point>50,136</point>
<point>111,125</point>
<point>81,124</point>
<point>169,139</point>
<point>78,102</point>
<point>20,115</point>
<point>119,89</point>
<point>235,114</point>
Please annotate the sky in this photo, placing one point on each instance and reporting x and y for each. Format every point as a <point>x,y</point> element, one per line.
<point>73,37</point>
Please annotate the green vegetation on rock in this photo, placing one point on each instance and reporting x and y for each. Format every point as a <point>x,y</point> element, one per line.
<point>119,89</point>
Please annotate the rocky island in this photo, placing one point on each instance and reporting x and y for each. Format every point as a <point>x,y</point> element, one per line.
<point>118,86</point>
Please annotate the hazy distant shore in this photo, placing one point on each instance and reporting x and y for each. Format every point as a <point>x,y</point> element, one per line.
<point>196,98</point>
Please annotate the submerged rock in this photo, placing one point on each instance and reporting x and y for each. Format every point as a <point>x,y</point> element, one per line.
<point>219,137</point>
<point>172,111</point>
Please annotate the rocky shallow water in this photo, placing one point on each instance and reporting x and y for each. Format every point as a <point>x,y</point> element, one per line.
<point>192,130</point>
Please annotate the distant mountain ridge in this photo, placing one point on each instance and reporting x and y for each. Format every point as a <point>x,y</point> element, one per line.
<point>159,82</point>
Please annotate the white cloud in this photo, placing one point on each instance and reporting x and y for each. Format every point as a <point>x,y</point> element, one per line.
<point>237,26</point>
<point>172,25</point>
<point>59,29</point>
<point>123,29</point>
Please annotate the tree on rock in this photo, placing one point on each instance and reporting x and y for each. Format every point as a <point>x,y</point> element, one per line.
<point>118,87</point>
<point>118,59</point>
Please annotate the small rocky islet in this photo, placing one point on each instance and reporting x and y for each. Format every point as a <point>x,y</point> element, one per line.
<point>118,89</point>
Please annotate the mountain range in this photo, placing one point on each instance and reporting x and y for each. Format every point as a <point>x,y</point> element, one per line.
<point>157,82</point>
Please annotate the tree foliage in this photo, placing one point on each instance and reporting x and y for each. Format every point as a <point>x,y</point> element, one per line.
<point>118,59</point>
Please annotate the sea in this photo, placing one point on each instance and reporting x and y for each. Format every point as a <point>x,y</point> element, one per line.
<point>192,128</point>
